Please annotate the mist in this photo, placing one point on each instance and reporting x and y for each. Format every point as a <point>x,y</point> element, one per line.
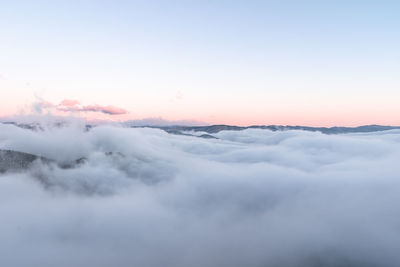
<point>143,197</point>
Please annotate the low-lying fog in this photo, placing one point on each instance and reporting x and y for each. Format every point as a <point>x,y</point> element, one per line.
<point>143,197</point>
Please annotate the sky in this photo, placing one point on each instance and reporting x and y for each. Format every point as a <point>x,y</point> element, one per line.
<point>317,63</point>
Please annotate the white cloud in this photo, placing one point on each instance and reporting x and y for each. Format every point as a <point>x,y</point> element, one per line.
<point>250,198</point>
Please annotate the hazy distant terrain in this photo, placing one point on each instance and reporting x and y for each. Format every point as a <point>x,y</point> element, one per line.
<point>78,195</point>
<point>211,129</point>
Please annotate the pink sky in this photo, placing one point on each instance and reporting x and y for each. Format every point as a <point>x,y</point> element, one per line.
<point>242,116</point>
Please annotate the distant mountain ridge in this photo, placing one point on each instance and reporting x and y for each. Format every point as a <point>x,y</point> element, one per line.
<point>212,129</point>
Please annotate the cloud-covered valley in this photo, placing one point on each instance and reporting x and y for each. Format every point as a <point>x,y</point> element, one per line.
<point>143,197</point>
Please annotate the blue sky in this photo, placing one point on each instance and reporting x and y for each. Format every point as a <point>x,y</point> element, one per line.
<point>239,62</point>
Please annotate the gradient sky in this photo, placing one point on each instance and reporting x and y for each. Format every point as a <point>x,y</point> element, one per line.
<point>232,62</point>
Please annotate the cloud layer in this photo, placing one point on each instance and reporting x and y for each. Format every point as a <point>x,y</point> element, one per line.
<point>251,198</point>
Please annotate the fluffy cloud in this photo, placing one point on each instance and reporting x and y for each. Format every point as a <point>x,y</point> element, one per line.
<point>251,198</point>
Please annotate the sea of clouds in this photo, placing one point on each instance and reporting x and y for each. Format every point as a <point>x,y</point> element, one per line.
<point>143,197</point>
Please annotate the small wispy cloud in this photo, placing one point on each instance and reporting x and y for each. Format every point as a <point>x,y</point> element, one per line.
<point>71,105</point>
<point>105,109</point>
<point>68,102</point>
